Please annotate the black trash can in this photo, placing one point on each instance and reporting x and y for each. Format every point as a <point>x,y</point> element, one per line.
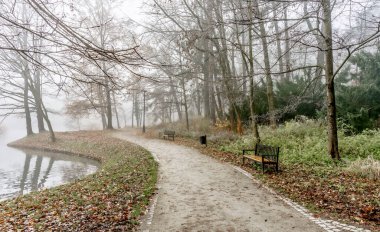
<point>203,140</point>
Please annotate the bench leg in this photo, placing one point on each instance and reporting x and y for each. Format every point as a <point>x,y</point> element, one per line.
<point>277,167</point>
<point>243,160</point>
<point>262,165</point>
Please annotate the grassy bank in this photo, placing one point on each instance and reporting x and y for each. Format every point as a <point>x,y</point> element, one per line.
<point>348,191</point>
<point>111,199</point>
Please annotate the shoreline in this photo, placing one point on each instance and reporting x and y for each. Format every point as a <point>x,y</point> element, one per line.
<point>114,197</point>
<point>14,144</point>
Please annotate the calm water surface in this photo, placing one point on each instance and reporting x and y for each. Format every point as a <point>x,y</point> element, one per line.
<point>23,171</point>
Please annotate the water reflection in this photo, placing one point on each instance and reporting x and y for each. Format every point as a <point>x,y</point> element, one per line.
<point>25,173</point>
<point>28,170</point>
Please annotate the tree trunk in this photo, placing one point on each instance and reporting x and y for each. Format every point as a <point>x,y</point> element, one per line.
<point>101,103</point>
<point>278,41</point>
<point>35,89</point>
<point>226,69</point>
<point>38,88</point>
<point>125,119</point>
<point>25,71</point>
<point>38,100</point>
<point>198,98</point>
<point>233,124</point>
<point>133,106</point>
<point>319,39</point>
<point>270,94</point>
<point>175,98</point>
<point>233,70</point>
<point>144,93</point>
<point>245,71</point>
<point>137,112</point>
<point>206,76</point>
<point>255,129</point>
<point>47,120</point>
<point>185,102</point>
<point>248,68</point>
<point>109,106</point>
<point>34,85</point>
<point>170,112</point>
<point>332,146</point>
<point>287,44</point>
<point>28,118</point>
<point>115,110</point>
<point>329,73</point>
<point>212,93</point>
<point>219,105</point>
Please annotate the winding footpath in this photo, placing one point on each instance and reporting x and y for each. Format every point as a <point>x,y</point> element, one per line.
<point>198,193</point>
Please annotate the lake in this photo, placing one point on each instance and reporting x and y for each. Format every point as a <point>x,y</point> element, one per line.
<point>24,171</point>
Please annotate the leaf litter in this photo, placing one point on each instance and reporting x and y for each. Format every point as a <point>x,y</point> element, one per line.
<point>112,199</point>
<point>331,193</point>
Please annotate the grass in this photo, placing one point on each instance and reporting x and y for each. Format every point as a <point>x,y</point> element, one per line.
<point>111,199</point>
<point>306,144</point>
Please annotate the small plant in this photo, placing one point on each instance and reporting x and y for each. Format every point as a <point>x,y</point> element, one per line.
<point>367,167</point>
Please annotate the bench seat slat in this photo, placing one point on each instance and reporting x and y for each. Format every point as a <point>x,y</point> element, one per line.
<point>257,158</point>
<point>263,154</point>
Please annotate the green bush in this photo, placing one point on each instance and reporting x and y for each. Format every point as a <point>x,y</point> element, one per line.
<point>361,145</point>
<point>306,143</point>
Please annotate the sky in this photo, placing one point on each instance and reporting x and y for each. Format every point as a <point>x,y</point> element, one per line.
<point>132,8</point>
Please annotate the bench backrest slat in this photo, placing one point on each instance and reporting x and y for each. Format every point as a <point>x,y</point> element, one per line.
<point>263,150</point>
<point>168,132</point>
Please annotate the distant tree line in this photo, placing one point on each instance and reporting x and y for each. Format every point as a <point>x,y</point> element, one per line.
<point>261,62</point>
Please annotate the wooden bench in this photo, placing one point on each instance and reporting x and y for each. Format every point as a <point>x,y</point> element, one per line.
<point>264,154</point>
<point>169,134</point>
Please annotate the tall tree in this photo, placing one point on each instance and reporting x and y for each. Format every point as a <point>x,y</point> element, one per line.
<point>329,76</point>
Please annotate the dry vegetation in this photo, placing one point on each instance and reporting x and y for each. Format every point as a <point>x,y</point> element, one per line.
<point>367,167</point>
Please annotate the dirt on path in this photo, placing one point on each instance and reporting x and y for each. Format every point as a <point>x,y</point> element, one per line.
<point>199,193</point>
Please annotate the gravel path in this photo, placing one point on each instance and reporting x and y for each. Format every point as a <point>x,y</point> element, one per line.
<point>198,193</point>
